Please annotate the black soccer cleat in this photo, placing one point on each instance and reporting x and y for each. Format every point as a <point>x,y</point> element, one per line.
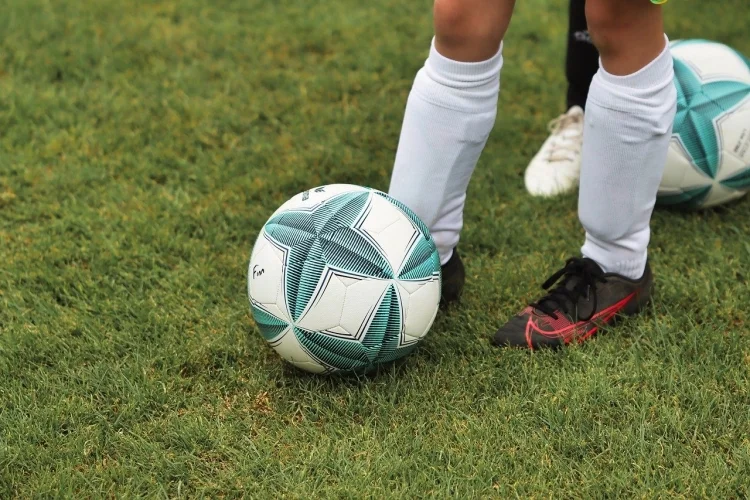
<point>453,278</point>
<point>584,299</point>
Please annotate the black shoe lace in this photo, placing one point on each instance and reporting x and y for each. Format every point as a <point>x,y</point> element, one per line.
<point>565,298</point>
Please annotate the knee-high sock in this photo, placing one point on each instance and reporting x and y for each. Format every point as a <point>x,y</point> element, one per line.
<point>449,115</point>
<point>627,129</point>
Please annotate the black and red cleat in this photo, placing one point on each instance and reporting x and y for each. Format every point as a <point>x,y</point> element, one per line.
<point>584,299</point>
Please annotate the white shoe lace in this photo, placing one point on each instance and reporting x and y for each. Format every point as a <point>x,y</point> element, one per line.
<point>565,143</point>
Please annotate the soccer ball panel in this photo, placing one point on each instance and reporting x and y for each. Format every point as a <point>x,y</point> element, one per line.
<point>391,230</point>
<point>313,197</point>
<point>270,325</point>
<point>381,215</point>
<point>324,311</point>
<point>679,172</point>
<point>720,194</point>
<point>418,299</point>
<point>712,61</point>
<point>290,349</point>
<point>265,276</point>
<point>362,298</point>
<point>734,130</point>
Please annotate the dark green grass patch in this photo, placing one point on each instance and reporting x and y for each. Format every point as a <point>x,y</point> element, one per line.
<point>142,146</point>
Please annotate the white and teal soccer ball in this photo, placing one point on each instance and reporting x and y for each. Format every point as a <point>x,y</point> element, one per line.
<point>709,156</point>
<point>343,279</point>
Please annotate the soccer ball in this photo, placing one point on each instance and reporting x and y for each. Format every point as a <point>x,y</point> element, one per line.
<point>343,279</point>
<point>709,155</point>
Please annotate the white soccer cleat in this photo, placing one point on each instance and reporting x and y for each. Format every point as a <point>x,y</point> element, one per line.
<point>556,168</point>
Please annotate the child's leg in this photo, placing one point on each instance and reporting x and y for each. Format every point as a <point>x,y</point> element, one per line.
<point>627,127</point>
<point>449,114</point>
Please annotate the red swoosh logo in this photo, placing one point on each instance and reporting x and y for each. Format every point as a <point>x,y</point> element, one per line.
<point>571,332</point>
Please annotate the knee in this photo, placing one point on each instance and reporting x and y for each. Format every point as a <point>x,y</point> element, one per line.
<point>604,24</point>
<point>470,30</point>
<point>614,25</point>
<point>628,34</point>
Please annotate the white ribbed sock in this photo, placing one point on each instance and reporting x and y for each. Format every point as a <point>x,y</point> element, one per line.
<point>627,127</point>
<point>449,115</point>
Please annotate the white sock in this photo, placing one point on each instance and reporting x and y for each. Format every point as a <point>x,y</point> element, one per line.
<point>449,115</point>
<point>627,128</point>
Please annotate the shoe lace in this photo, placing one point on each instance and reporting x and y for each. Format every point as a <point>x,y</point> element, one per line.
<point>564,297</point>
<point>565,132</point>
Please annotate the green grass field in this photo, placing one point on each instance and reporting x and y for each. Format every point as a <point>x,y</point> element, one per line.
<point>142,146</point>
